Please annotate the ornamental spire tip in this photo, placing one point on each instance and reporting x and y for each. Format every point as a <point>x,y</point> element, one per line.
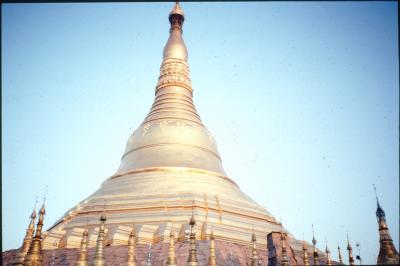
<point>177,10</point>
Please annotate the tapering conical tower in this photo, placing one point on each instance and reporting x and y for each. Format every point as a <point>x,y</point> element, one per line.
<point>99,259</point>
<point>131,261</point>
<point>20,257</point>
<point>306,261</point>
<point>171,261</point>
<point>284,260</point>
<point>387,251</point>
<point>169,161</point>
<point>212,261</point>
<point>83,255</point>
<point>340,256</point>
<point>328,255</point>
<point>315,251</point>
<point>350,251</point>
<point>34,257</point>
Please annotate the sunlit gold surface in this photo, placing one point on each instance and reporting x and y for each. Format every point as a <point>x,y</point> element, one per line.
<point>83,256</point>
<point>388,254</point>
<point>131,250</point>
<point>170,167</point>
<point>34,257</point>
<point>171,250</point>
<point>99,254</point>
<point>212,261</point>
<point>306,261</point>
<point>19,259</point>
<point>254,257</point>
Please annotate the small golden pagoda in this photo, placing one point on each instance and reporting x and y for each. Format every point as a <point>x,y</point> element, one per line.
<point>254,258</point>
<point>171,250</point>
<point>83,256</point>
<point>19,259</point>
<point>388,254</point>
<point>340,256</point>
<point>350,251</point>
<point>212,261</point>
<point>34,257</point>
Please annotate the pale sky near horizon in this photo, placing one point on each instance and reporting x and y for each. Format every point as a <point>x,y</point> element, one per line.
<point>302,99</point>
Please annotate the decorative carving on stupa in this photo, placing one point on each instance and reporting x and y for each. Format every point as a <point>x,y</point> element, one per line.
<point>387,251</point>
<point>20,257</point>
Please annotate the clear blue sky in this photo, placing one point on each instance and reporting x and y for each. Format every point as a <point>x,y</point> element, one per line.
<point>302,98</point>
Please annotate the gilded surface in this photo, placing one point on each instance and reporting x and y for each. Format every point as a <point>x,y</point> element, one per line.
<point>388,254</point>
<point>19,259</point>
<point>171,250</point>
<point>99,254</point>
<point>170,167</point>
<point>34,257</point>
<point>83,256</point>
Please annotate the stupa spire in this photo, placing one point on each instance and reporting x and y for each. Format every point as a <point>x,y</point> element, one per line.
<point>340,255</point>
<point>19,259</point>
<point>175,47</point>
<point>34,257</point>
<point>284,261</point>
<point>213,259</point>
<point>99,254</point>
<point>387,251</point>
<point>350,251</point>
<point>328,255</point>
<point>83,254</point>
<point>173,125</point>
<point>171,252</point>
<point>131,249</point>
<point>315,252</point>
<point>306,261</point>
<point>254,257</point>
<point>192,259</point>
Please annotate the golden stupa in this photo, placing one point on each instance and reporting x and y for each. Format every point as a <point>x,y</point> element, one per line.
<point>170,169</point>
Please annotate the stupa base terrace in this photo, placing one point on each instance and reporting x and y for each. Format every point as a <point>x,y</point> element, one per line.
<point>156,254</point>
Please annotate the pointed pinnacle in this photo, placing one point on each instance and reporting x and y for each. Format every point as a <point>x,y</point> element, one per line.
<point>177,9</point>
<point>33,215</point>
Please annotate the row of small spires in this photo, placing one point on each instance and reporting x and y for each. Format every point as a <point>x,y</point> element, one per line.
<point>31,254</point>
